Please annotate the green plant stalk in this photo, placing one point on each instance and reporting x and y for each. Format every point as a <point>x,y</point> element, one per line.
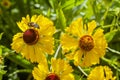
<point>104,17</point>
<point>117,75</point>
<point>16,58</point>
<point>94,10</point>
<point>19,60</point>
<point>111,63</point>
<point>82,71</point>
<point>114,51</point>
<point>108,26</point>
<point>21,71</point>
<point>57,51</point>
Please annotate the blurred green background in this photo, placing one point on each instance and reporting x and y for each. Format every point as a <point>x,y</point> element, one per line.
<point>62,12</point>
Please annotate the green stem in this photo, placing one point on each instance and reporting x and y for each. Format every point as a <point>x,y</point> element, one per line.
<point>16,58</point>
<point>57,51</point>
<point>117,75</point>
<point>108,26</point>
<point>56,54</point>
<point>114,51</point>
<point>82,71</point>
<point>19,60</point>
<point>21,71</point>
<point>111,63</point>
<point>104,17</point>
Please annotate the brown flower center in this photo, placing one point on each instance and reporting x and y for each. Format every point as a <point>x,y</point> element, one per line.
<point>5,3</point>
<point>30,36</point>
<point>52,76</point>
<point>86,43</point>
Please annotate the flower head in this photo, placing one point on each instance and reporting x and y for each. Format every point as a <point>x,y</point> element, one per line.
<point>6,3</point>
<point>36,38</point>
<point>83,44</point>
<point>101,73</point>
<point>60,70</point>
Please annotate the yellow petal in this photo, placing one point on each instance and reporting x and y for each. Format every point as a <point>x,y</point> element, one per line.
<point>39,54</point>
<point>47,44</point>
<point>46,25</point>
<point>91,58</point>
<point>100,42</point>
<point>96,74</point>
<point>70,56</point>
<point>18,42</point>
<point>48,30</point>
<point>28,18</point>
<point>40,73</point>
<point>69,42</point>
<point>54,66</point>
<point>65,69</point>
<point>101,73</point>
<point>91,27</point>
<point>68,77</point>
<point>22,26</point>
<point>25,52</point>
<point>32,53</point>
<point>33,18</point>
<point>108,73</point>
<point>78,57</point>
<point>37,74</point>
<point>76,27</point>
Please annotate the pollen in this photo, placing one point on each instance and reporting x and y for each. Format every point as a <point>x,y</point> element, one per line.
<point>52,76</point>
<point>30,36</point>
<point>86,43</point>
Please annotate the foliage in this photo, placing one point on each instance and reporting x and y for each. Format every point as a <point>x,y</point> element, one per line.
<point>62,12</point>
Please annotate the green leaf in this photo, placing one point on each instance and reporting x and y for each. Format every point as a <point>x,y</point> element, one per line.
<point>53,3</point>
<point>71,4</point>
<point>108,2</point>
<point>48,13</point>
<point>1,34</point>
<point>89,9</point>
<point>61,20</point>
<point>109,36</point>
<point>2,72</point>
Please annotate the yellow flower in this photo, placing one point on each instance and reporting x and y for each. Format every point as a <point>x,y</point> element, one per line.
<point>59,70</point>
<point>83,44</point>
<point>6,3</point>
<point>36,38</point>
<point>101,73</point>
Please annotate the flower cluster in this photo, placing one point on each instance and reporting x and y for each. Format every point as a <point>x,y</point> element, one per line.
<point>84,44</point>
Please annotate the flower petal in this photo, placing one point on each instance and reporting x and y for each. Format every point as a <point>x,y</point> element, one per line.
<point>39,54</point>
<point>47,44</point>
<point>78,57</point>
<point>41,72</point>
<point>23,25</point>
<point>101,73</point>
<point>91,27</point>
<point>18,42</point>
<point>91,58</point>
<point>65,69</point>
<point>76,27</point>
<point>68,42</point>
<point>96,74</point>
<point>100,42</point>
<point>68,77</point>
<point>33,18</point>
<point>46,25</point>
<point>108,73</point>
